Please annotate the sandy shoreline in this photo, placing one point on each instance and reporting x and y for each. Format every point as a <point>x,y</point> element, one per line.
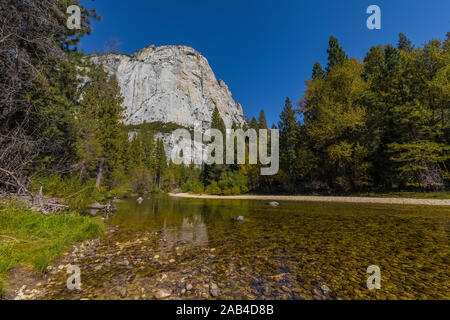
<point>408,201</point>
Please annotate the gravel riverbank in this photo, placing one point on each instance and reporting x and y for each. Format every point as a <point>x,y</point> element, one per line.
<point>407,201</point>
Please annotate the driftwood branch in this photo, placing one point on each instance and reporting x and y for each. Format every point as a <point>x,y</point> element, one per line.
<point>9,238</point>
<point>17,181</point>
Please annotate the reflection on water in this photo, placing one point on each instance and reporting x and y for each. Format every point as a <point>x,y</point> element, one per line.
<point>293,251</point>
<point>300,245</point>
<point>191,232</point>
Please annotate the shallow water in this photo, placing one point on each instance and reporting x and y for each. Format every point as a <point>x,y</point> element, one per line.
<point>284,252</point>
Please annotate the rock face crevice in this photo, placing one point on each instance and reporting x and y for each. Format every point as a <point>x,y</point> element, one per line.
<point>170,84</point>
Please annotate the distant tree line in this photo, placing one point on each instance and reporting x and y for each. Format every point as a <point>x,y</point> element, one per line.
<point>380,124</point>
<point>377,125</point>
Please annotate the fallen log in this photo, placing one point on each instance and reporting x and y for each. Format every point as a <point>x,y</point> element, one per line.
<point>96,205</point>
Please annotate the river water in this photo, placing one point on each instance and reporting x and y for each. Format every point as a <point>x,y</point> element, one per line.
<point>194,249</point>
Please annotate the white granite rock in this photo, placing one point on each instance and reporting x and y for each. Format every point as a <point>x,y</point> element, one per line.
<point>170,84</point>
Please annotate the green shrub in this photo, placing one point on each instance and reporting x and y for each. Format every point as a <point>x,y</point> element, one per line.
<point>120,192</point>
<point>213,188</point>
<point>232,182</point>
<point>193,186</point>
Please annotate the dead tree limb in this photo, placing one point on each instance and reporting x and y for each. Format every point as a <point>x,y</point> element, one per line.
<point>17,181</point>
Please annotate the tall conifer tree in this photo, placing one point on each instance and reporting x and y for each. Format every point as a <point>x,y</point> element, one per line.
<point>318,72</point>
<point>336,55</point>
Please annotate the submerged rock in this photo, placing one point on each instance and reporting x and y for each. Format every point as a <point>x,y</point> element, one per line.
<point>123,263</point>
<point>123,293</point>
<point>274,204</point>
<point>162,294</point>
<point>214,290</point>
<point>267,290</point>
<point>325,289</point>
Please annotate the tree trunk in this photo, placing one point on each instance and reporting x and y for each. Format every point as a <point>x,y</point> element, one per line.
<point>99,173</point>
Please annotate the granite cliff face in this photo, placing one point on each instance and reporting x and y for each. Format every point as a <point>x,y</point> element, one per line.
<point>170,84</point>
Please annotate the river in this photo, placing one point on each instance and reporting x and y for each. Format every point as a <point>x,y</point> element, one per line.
<point>180,248</point>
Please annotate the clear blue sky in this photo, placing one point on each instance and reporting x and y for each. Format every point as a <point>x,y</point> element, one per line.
<point>263,49</point>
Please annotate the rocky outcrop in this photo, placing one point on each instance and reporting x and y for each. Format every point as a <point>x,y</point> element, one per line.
<point>170,84</point>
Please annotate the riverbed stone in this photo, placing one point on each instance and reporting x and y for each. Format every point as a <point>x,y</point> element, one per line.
<point>214,290</point>
<point>162,294</point>
<point>325,289</point>
<point>123,263</point>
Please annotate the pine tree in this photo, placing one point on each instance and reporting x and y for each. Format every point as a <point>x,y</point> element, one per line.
<point>213,172</point>
<point>39,87</point>
<point>404,43</point>
<point>254,124</point>
<point>373,63</point>
<point>262,122</point>
<point>318,72</point>
<point>217,121</point>
<point>288,127</point>
<point>136,153</point>
<point>161,163</point>
<point>147,137</point>
<point>336,55</point>
<point>101,111</point>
